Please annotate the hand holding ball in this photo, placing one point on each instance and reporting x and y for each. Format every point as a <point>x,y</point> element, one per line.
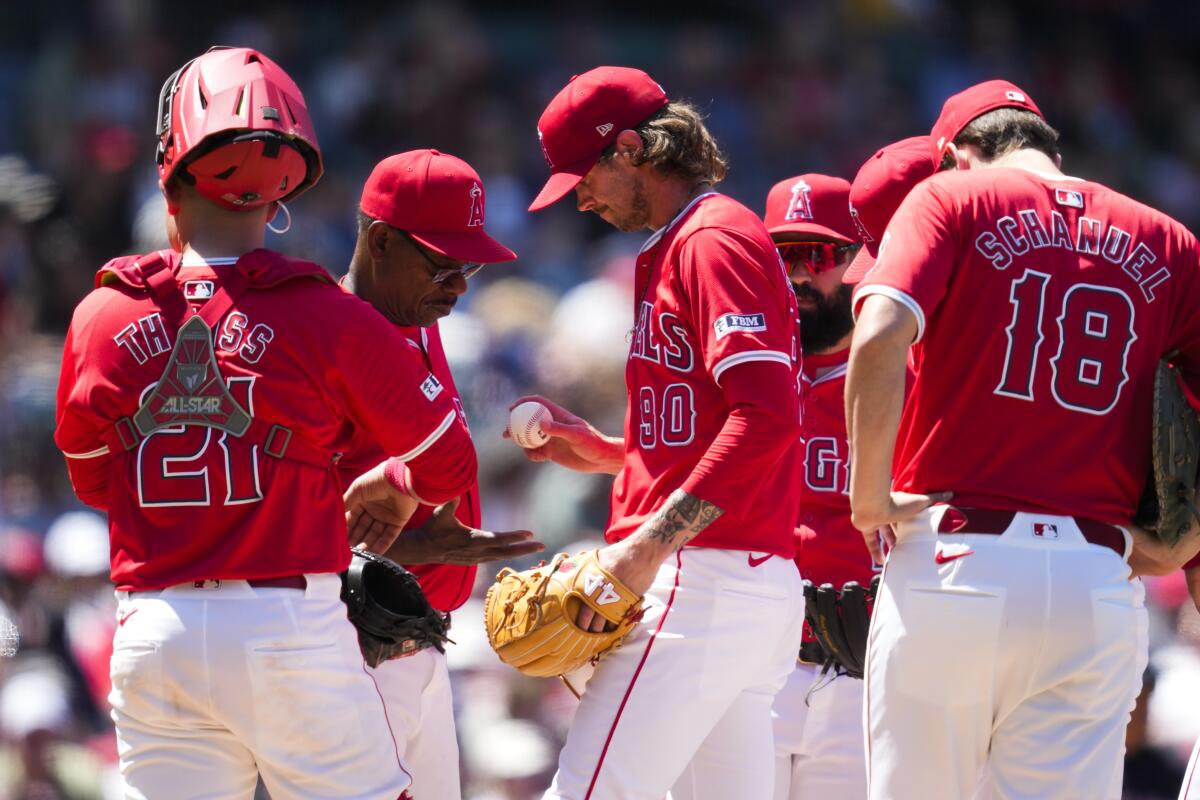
<point>525,424</point>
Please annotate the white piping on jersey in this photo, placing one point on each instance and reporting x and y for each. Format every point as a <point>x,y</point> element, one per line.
<point>749,355</point>
<point>102,450</point>
<point>658,234</point>
<point>837,372</point>
<point>895,294</point>
<point>413,344</point>
<point>193,259</point>
<point>431,438</point>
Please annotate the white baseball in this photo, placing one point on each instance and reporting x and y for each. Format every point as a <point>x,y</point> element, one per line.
<point>525,424</point>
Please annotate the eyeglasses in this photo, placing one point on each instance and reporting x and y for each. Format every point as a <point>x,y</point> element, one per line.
<point>816,257</point>
<point>442,274</point>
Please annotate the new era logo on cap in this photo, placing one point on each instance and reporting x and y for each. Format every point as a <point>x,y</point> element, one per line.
<point>604,129</point>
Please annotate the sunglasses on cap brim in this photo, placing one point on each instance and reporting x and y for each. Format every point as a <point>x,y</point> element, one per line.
<point>816,257</point>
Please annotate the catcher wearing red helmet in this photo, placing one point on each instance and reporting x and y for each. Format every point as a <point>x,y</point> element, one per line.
<point>204,390</point>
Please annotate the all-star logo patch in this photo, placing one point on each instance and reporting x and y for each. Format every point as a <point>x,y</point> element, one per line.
<point>198,290</point>
<point>431,387</point>
<point>747,323</point>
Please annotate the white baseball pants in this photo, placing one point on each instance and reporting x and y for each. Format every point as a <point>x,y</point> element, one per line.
<point>1000,665</point>
<point>691,687</point>
<point>819,750</point>
<point>213,686</point>
<point>420,710</point>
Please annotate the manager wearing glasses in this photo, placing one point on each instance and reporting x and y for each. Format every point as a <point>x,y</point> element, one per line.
<point>420,237</point>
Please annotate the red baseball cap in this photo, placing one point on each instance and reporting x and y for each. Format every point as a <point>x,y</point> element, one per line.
<point>880,186</point>
<point>438,199</point>
<point>812,205</point>
<point>960,109</point>
<point>585,117</point>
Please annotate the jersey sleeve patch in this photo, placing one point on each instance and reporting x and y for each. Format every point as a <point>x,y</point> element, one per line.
<point>431,387</point>
<point>748,323</point>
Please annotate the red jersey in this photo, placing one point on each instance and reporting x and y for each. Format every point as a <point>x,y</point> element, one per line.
<point>1043,308</point>
<point>446,585</point>
<point>712,301</point>
<point>828,548</point>
<point>194,503</point>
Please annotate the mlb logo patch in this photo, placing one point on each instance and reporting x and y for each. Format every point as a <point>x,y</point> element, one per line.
<point>430,387</point>
<point>749,323</point>
<point>1066,197</point>
<point>1016,97</point>
<point>198,290</point>
<point>1045,530</point>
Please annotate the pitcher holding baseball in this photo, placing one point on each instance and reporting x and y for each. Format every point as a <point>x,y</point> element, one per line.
<point>705,494</point>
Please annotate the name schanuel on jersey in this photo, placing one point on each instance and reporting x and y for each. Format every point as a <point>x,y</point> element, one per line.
<point>431,387</point>
<point>748,323</point>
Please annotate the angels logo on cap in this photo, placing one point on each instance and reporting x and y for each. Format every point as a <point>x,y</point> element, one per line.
<point>476,218</point>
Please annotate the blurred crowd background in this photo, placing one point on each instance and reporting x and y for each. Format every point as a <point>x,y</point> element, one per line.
<point>788,88</point>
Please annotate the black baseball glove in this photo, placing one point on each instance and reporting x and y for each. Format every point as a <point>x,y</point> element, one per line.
<point>391,613</point>
<point>1168,503</point>
<point>840,620</point>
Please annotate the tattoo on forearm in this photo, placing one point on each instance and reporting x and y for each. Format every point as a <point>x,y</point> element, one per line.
<point>681,519</point>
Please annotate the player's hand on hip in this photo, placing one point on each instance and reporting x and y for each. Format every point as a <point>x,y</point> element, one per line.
<point>869,514</point>
<point>626,565</point>
<point>574,443</point>
<point>443,539</point>
<point>877,539</point>
<point>376,511</point>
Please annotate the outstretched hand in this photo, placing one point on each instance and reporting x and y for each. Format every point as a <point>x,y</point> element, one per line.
<point>574,443</point>
<point>376,511</point>
<point>443,539</point>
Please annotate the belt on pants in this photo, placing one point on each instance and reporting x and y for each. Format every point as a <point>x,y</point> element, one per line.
<point>992,522</point>
<point>283,582</point>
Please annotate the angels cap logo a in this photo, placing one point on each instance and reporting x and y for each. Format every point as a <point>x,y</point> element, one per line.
<point>475,220</point>
<point>604,129</point>
<point>800,206</point>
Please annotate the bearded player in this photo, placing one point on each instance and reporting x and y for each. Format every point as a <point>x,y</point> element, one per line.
<point>818,714</point>
<point>203,401</point>
<point>1003,649</point>
<point>706,493</point>
<point>420,239</point>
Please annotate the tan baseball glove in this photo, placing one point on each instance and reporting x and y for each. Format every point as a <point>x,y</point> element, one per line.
<point>530,615</point>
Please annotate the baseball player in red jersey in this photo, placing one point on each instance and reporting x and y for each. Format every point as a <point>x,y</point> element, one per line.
<point>1038,306</point>
<point>818,717</point>
<point>708,471</point>
<point>205,394</point>
<point>819,223</point>
<point>420,238</point>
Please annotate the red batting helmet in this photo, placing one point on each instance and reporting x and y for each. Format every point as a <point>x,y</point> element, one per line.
<point>235,126</point>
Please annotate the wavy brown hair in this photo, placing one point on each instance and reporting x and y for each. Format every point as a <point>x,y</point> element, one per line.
<point>676,142</point>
